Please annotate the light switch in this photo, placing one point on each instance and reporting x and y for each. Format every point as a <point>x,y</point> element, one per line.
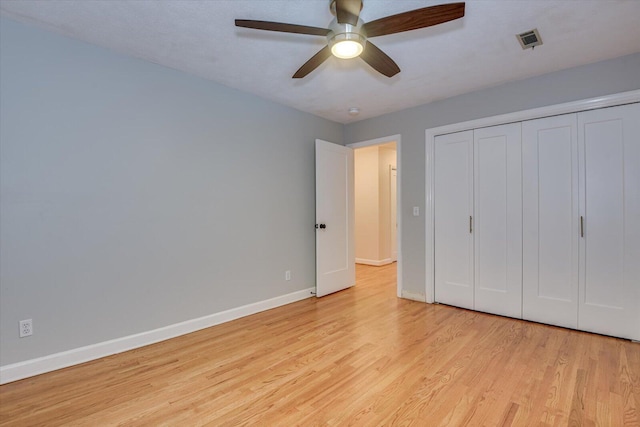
<point>416,211</point>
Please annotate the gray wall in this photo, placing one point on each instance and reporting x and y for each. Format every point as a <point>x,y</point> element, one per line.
<point>603,78</point>
<point>135,196</point>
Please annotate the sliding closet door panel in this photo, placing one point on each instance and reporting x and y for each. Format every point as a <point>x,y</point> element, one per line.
<point>550,220</point>
<point>453,204</point>
<point>604,166</point>
<point>609,152</point>
<point>498,219</point>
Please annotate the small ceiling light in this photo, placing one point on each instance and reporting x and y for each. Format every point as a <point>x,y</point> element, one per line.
<point>346,40</point>
<point>346,48</point>
<point>354,111</point>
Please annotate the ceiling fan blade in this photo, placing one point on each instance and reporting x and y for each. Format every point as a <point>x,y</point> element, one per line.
<point>313,63</point>
<point>281,27</point>
<point>348,11</point>
<point>414,19</point>
<point>379,60</point>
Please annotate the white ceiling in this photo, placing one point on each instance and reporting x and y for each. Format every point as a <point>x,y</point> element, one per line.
<point>475,52</point>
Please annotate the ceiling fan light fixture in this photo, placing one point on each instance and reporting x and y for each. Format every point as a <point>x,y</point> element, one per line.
<point>347,49</point>
<point>345,41</point>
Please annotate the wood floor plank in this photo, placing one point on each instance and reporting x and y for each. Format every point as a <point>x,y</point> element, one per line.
<point>360,357</point>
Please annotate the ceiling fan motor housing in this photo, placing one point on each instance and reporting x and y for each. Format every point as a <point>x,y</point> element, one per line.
<point>332,6</point>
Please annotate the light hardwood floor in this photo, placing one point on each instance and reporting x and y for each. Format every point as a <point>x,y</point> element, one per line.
<point>358,357</point>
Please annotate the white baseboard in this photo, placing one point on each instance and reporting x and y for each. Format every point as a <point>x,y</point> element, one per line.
<point>374,262</point>
<point>413,296</point>
<point>52,362</point>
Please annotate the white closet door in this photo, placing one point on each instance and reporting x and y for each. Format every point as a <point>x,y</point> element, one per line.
<point>609,156</point>
<point>498,219</point>
<point>453,204</point>
<point>550,220</point>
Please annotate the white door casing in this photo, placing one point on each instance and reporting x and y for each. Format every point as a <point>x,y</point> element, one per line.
<point>401,292</point>
<point>393,203</point>
<point>335,253</point>
<point>453,204</point>
<point>551,231</point>
<point>497,221</point>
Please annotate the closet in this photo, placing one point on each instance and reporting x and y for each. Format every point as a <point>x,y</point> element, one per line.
<point>479,257</point>
<point>540,220</point>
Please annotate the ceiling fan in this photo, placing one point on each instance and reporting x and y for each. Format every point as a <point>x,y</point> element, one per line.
<point>347,35</point>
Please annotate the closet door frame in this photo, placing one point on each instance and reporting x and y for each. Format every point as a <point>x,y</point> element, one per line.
<point>431,133</point>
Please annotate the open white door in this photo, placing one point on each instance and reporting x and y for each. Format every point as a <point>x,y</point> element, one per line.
<point>335,254</point>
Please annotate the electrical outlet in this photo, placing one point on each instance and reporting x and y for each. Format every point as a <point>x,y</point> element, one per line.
<point>287,275</point>
<point>26,328</point>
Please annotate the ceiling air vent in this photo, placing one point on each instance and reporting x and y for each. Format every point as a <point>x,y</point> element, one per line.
<point>529,39</point>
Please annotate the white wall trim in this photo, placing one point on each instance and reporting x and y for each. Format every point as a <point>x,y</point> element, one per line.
<point>518,116</point>
<point>377,141</point>
<point>375,262</point>
<point>413,296</point>
<point>40,365</point>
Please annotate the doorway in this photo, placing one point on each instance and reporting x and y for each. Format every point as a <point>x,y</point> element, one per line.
<point>377,204</point>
